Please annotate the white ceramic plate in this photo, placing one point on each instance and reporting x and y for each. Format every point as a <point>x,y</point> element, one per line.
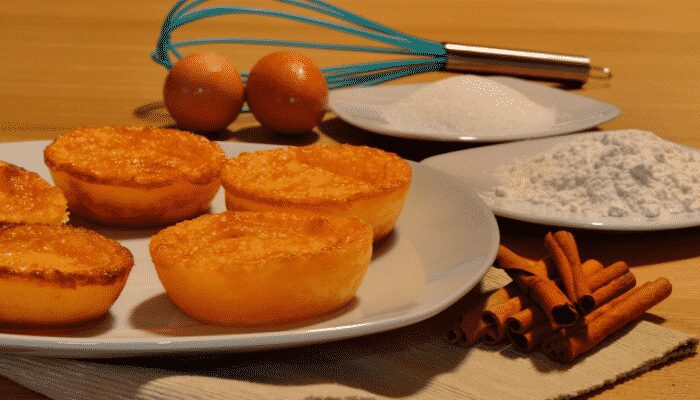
<point>476,169</point>
<point>443,244</point>
<point>363,107</point>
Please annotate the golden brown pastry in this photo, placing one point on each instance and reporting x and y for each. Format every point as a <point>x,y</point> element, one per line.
<point>58,275</point>
<point>359,181</point>
<point>27,198</point>
<point>251,268</point>
<point>135,176</point>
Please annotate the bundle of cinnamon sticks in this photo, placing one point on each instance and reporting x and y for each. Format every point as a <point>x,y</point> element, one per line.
<point>559,303</point>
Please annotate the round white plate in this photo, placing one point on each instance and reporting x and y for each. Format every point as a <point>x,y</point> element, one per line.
<point>477,169</point>
<point>443,243</point>
<point>364,107</point>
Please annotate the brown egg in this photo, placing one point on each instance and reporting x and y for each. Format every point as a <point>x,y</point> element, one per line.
<point>203,92</point>
<point>286,92</point>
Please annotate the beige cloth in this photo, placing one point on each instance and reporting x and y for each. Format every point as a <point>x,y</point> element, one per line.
<point>415,362</point>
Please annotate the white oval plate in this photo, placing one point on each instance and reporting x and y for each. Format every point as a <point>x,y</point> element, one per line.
<point>364,107</point>
<point>477,169</point>
<point>443,243</point>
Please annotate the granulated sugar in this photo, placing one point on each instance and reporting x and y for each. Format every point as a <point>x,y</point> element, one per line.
<point>471,105</point>
<point>619,174</point>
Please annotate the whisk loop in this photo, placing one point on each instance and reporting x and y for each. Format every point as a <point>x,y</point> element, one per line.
<point>432,56</point>
<point>370,73</point>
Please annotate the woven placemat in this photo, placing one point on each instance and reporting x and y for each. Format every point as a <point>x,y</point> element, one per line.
<point>415,361</point>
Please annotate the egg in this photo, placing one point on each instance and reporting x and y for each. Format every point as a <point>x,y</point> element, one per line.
<point>203,92</point>
<point>286,92</point>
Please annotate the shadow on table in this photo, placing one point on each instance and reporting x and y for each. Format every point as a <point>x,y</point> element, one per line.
<point>116,233</point>
<point>154,113</point>
<point>89,329</point>
<point>545,365</point>
<point>258,134</point>
<point>411,149</point>
<point>158,315</point>
<point>332,127</point>
<point>396,363</point>
<point>635,248</point>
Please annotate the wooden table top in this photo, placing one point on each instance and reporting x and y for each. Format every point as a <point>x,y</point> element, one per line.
<point>72,63</point>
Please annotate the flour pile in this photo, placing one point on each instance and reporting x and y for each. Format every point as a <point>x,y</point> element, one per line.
<point>618,174</point>
<point>470,105</point>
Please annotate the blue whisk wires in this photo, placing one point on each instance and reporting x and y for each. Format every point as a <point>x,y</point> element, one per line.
<point>431,54</point>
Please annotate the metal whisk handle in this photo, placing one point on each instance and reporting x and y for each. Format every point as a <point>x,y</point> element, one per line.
<point>529,64</point>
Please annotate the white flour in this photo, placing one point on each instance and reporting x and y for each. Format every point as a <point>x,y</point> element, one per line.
<point>471,105</point>
<point>619,174</point>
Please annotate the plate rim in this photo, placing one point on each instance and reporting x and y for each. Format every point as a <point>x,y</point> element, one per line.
<point>601,224</point>
<point>611,112</point>
<point>115,347</point>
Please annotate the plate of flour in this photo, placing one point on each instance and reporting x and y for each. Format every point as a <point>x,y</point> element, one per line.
<point>469,108</point>
<point>627,180</point>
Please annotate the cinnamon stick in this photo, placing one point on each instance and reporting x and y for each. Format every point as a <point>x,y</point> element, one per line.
<point>615,288</point>
<point>492,326</point>
<point>509,261</point>
<point>591,267</point>
<point>495,318</point>
<point>597,277</point>
<point>471,327</point>
<point>529,340</point>
<point>533,279</point>
<point>563,248</point>
<point>605,320</point>
<point>466,333</point>
<point>549,297</point>
<point>613,271</point>
<point>532,336</point>
<point>525,319</point>
<point>456,336</point>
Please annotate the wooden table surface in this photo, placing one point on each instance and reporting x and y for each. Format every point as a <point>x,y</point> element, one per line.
<point>72,63</point>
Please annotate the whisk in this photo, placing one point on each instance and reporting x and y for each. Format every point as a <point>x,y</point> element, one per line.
<point>429,55</point>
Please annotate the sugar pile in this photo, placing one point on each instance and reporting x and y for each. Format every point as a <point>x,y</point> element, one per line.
<point>471,105</point>
<point>618,174</point>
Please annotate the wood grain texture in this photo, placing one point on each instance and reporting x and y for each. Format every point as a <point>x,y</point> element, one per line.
<point>72,63</point>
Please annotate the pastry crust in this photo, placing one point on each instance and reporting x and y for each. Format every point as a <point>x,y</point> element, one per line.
<point>140,157</point>
<point>27,198</point>
<point>135,176</point>
<point>332,179</point>
<point>58,275</point>
<point>248,268</point>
